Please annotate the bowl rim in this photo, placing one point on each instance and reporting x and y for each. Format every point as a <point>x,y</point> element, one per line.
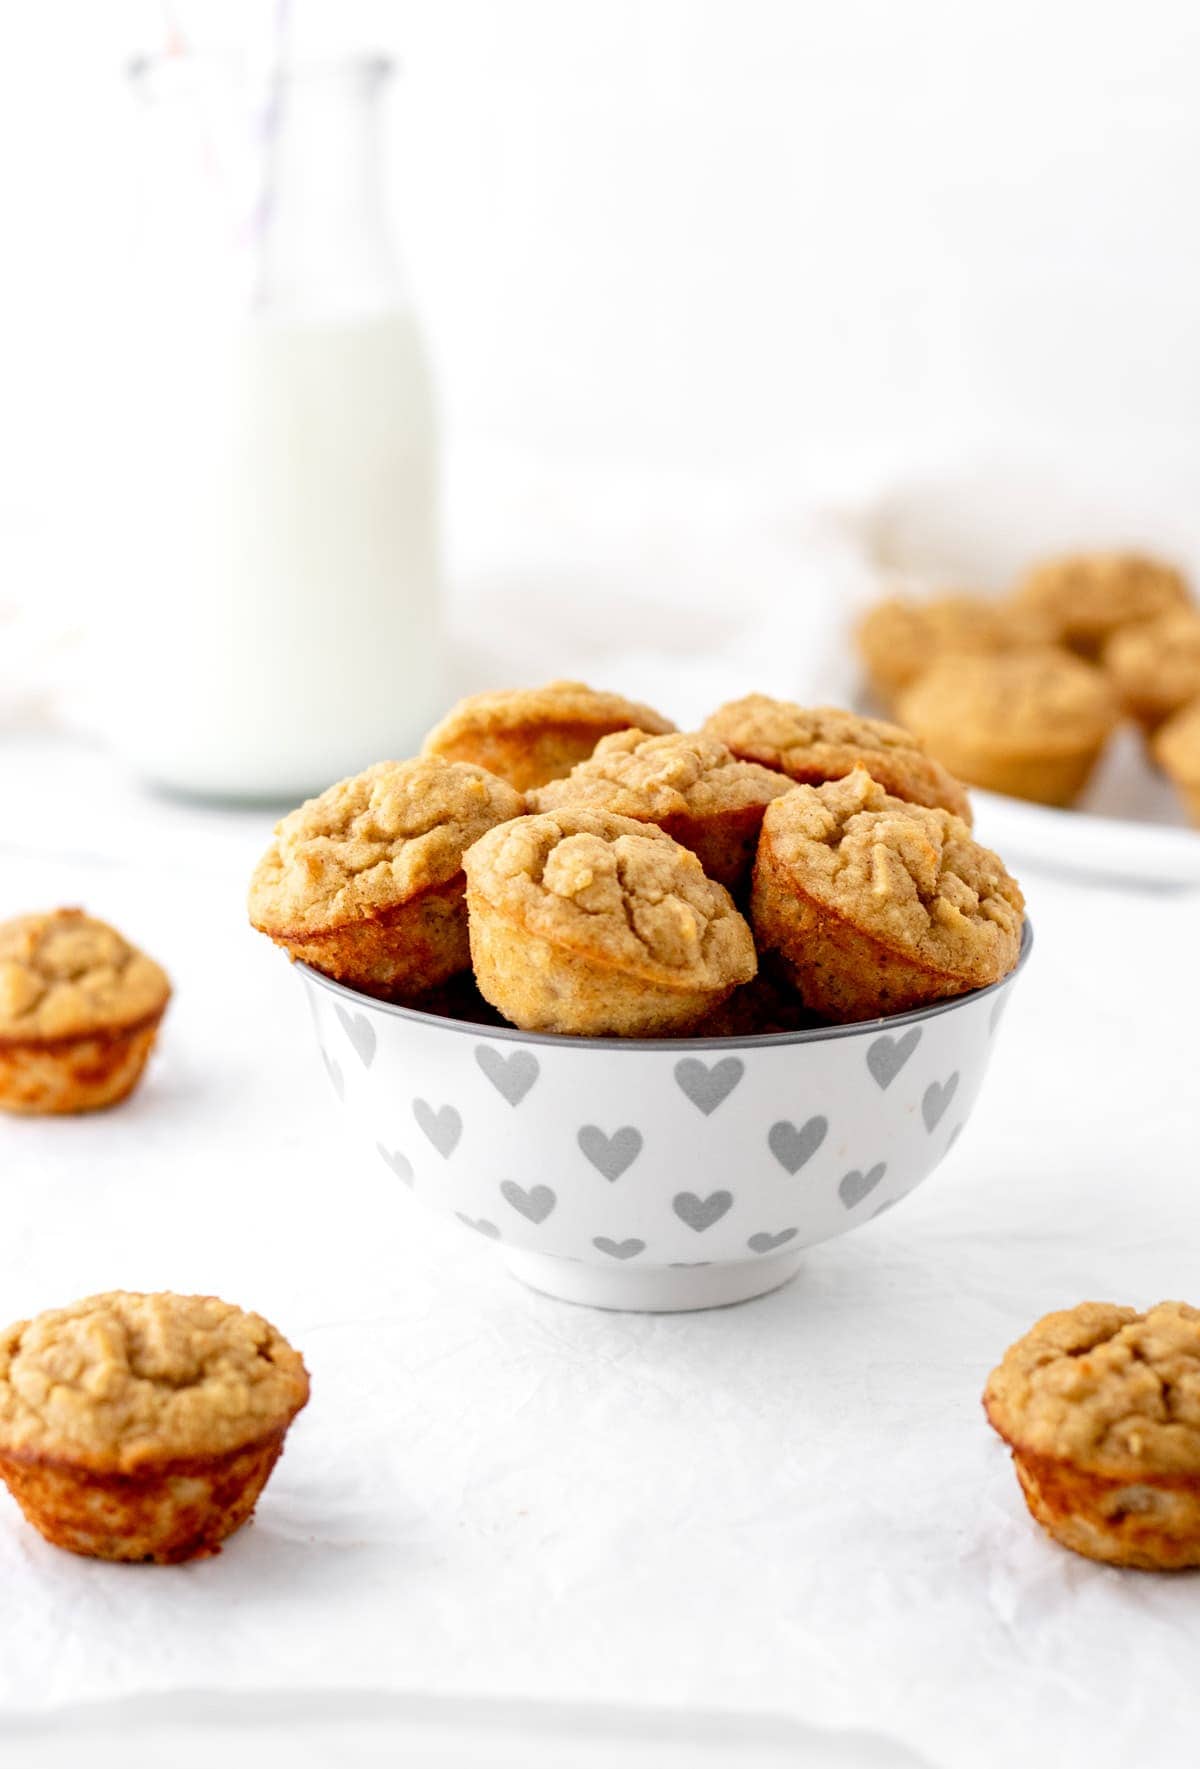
<point>752,1041</point>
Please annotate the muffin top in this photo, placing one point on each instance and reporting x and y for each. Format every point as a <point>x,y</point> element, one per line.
<point>910,875</point>
<point>120,1381</point>
<point>1034,702</point>
<point>1105,1388</point>
<point>614,890</point>
<point>63,975</point>
<point>678,774</point>
<point>1177,745</point>
<point>1087,596</point>
<point>903,635</point>
<point>1158,661</point>
<point>371,843</point>
<point>817,743</point>
<point>532,735</point>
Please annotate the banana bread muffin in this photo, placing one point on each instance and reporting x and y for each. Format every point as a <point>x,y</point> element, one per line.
<point>1032,724</point>
<point>1177,749</point>
<point>813,744</point>
<point>1100,1406</point>
<point>877,906</point>
<point>144,1427</point>
<point>1087,597</point>
<point>587,923</point>
<point>1155,666</point>
<point>687,783</point>
<point>79,1013</point>
<point>531,735</point>
<point>901,636</point>
<point>365,882</point>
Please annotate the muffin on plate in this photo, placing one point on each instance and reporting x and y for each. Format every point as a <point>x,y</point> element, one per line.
<point>876,905</point>
<point>1177,750</point>
<point>1087,597</point>
<point>901,636</point>
<point>531,735</point>
<point>1032,724</point>
<point>687,783</point>
<point>591,924</point>
<point>144,1427</point>
<point>365,883</point>
<point>79,1013</point>
<point>813,744</point>
<point>1100,1406</point>
<point>1155,666</point>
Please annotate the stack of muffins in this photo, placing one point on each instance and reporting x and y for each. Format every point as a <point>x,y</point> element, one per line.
<point>1021,695</point>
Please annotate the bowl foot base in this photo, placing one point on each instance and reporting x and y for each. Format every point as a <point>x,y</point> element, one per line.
<point>659,1289</point>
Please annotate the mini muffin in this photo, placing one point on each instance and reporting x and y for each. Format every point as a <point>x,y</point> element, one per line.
<point>877,906</point>
<point>1155,667</point>
<point>79,1012</point>
<point>144,1427</point>
<point>814,744</point>
<point>365,883</point>
<point>1032,725</point>
<point>1087,597</point>
<point>689,784</point>
<point>1177,749</point>
<point>1100,1406</point>
<point>900,637</point>
<point>531,735</point>
<point>768,1003</point>
<point>587,923</point>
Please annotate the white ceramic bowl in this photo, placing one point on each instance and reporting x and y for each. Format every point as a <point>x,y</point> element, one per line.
<point>656,1174</point>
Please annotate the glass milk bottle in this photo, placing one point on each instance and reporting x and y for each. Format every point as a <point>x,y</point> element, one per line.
<point>279,502</point>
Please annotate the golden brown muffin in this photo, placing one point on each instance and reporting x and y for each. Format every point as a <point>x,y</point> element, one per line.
<point>877,906</point>
<point>365,883</point>
<point>590,924</point>
<point>1177,749</point>
<point>532,735</point>
<point>144,1427</point>
<point>1155,666</point>
<point>1100,1406</point>
<point>901,636</point>
<point>79,1012</point>
<point>814,744</point>
<point>687,783</point>
<point>1032,725</point>
<point>768,1003</point>
<point>1087,597</point>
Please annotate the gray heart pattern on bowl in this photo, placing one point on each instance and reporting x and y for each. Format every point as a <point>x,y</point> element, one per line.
<point>856,1186</point>
<point>619,1249</point>
<point>399,1163</point>
<point>333,1070</point>
<point>936,1099</point>
<point>610,1155</point>
<point>708,1085</point>
<point>765,1243</point>
<point>511,1076</point>
<point>887,1056</point>
<point>360,1032</point>
<point>443,1127</point>
<point>481,1225</point>
<point>534,1205</point>
<point>792,1147</point>
<point>701,1213</point>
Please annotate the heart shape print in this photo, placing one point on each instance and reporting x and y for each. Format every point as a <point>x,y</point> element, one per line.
<point>333,1070</point>
<point>400,1164</point>
<point>534,1205</point>
<point>937,1097</point>
<point>765,1243</point>
<point>480,1224</point>
<point>619,1249</point>
<point>512,1076</point>
<point>361,1034</point>
<point>701,1213</point>
<point>708,1085</point>
<point>443,1128</point>
<point>887,1056</point>
<point>611,1155</point>
<point>856,1186</point>
<point>792,1147</point>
